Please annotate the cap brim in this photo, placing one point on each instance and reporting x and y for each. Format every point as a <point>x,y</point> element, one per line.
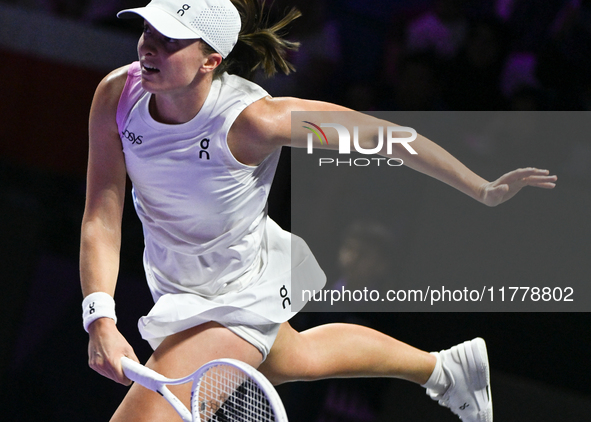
<point>160,19</point>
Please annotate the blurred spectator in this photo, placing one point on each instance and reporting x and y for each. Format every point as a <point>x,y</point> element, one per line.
<point>417,85</point>
<point>528,20</point>
<point>565,63</point>
<point>519,73</point>
<point>473,79</point>
<point>365,256</point>
<point>442,29</point>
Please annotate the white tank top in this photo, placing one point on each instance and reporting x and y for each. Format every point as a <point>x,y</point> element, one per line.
<point>203,212</point>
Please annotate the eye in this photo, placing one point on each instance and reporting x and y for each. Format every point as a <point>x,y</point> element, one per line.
<point>170,40</point>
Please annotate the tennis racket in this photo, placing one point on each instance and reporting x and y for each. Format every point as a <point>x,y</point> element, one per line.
<point>223,390</point>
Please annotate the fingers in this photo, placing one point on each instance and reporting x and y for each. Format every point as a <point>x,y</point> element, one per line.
<point>506,186</point>
<point>119,374</point>
<point>523,173</point>
<point>546,185</point>
<point>545,182</point>
<point>530,177</point>
<point>531,171</point>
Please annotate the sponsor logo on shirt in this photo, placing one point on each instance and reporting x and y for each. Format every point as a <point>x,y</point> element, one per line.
<point>132,137</point>
<point>204,144</point>
<point>284,293</point>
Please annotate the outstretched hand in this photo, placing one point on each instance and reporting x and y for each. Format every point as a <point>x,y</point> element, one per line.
<point>506,186</point>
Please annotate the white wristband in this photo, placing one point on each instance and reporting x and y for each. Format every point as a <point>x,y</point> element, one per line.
<point>97,305</point>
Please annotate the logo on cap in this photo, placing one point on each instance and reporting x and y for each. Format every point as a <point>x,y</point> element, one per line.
<point>183,9</point>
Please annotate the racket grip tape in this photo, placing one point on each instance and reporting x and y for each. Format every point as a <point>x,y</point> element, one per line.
<point>142,375</point>
<point>154,381</point>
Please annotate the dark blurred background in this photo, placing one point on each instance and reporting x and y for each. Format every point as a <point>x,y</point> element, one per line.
<point>422,55</point>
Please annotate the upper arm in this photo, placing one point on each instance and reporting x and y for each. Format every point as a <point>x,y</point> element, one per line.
<point>106,173</point>
<point>270,123</point>
<point>266,125</point>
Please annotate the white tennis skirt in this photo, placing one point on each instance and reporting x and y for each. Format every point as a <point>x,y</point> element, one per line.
<point>274,297</point>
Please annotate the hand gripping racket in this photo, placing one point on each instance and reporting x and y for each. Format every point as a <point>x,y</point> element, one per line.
<point>223,390</point>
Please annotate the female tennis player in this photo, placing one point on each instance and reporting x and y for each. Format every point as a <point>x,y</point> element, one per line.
<point>200,145</point>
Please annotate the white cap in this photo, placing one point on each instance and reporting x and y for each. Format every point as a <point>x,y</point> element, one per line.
<point>216,22</point>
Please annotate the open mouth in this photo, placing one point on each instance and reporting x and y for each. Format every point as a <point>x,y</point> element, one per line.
<point>149,69</point>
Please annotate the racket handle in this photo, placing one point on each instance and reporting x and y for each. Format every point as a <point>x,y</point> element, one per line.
<point>142,375</point>
<point>154,381</point>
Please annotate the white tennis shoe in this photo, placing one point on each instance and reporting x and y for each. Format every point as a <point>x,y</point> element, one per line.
<point>468,395</point>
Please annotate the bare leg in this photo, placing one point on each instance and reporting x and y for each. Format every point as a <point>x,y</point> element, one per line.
<point>343,350</point>
<point>179,355</point>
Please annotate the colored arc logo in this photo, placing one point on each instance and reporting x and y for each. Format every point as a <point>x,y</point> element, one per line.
<point>316,130</point>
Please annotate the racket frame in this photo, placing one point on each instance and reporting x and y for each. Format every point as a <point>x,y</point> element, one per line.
<point>154,381</point>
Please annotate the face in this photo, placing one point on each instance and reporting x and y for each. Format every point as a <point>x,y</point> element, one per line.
<point>169,65</point>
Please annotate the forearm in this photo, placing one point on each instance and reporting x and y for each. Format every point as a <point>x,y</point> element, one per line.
<point>427,157</point>
<point>99,258</point>
<point>364,129</point>
<point>434,161</point>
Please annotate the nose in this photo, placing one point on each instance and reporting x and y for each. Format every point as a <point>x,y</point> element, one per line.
<point>146,46</point>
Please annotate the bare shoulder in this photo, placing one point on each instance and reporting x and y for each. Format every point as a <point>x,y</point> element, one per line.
<point>110,88</point>
<point>259,120</point>
<point>252,136</point>
<point>116,79</point>
<point>103,111</point>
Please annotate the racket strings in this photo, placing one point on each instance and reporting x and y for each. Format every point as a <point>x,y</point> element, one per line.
<point>226,394</point>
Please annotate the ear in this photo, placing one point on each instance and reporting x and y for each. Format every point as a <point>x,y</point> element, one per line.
<point>212,61</point>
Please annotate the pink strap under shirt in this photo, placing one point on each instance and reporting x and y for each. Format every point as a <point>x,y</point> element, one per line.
<point>131,93</point>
